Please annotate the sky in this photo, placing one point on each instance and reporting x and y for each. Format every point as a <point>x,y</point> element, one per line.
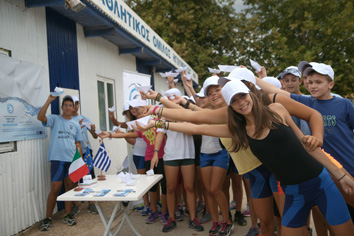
<point>238,5</point>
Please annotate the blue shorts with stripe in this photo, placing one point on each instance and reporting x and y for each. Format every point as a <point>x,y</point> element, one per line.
<point>219,159</point>
<point>262,181</point>
<point>139,162</point>
<point>59,170</point>
<point>320,191</point>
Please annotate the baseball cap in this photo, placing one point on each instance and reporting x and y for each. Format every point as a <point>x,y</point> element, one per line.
<point>320,68</point>
<point>290,70</point>
<point>137,103</point>
<point>213,80</point>
<point>272,80</point>
<point>75,98</point>
<point>125,107</point>
<point>191,98</point>
<point>304,64</point>
<point>67,98</point>
<point>232,88</point>
<point>240,74</point>
<point>201,93</point>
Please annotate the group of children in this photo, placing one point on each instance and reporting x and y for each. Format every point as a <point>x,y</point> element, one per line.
<point>292,149</point>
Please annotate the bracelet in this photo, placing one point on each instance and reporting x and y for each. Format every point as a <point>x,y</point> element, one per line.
<point>168,125</point>
<point>153,111</point>
<point>187,104</point>
<point>156,151</point>
<point>158,97</point>
<point>160,113</point>
<point>159,123</point>
<point>341,177</point>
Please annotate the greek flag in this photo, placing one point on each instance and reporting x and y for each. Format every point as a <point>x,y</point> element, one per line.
<point>102,160</point>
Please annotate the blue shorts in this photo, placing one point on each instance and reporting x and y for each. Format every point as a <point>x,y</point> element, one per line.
<point>219,159</point>
<point>320,191</point>
<point>139,162</point>
<point>59,170</point>
<point>232,167</point>
<point>263,183</point>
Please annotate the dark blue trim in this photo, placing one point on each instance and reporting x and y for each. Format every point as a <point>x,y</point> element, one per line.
<point>43,3</point>
<point>100,32</point>
<point>131,50</point>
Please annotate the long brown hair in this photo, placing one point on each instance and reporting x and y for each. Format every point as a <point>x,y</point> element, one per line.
<point>264,118</point>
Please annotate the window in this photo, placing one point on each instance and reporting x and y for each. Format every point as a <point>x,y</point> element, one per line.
<point>106,98</point>
<point>7,146</point>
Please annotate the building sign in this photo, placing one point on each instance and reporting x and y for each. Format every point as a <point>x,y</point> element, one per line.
<point>22,93</point>
<point>125,17</point>
<point>130,81</point>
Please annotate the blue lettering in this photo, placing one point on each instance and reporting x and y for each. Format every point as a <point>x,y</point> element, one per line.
<point>143,33</point>
<point>116,9</point>
<point>109,4</point>
<point>130,16</point>
<point>123,14</point>
<point>147,35</point>
<point>103,2</point>
<point>133,23</point>
<point>154,41</point>
<point>137,27</point>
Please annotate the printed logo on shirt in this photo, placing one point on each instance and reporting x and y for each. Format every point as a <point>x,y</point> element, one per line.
<point>329,120</point>
<point>150,135</point>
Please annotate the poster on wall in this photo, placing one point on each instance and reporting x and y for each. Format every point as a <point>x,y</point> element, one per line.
<point>130,81</point>
<point>22,94</point>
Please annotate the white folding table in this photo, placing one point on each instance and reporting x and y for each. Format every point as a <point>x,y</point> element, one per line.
<point>144,183</point>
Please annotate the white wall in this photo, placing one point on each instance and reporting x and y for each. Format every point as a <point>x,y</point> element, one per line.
<point>24,174</point>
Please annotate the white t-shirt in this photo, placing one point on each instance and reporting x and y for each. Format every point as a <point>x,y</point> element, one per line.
<point>210,145</point>
<point>178,146</point>
<point>139,147</point>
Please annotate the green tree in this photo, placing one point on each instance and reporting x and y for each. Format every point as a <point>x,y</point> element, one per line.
<point>282,33</point>
<point>201,32</point>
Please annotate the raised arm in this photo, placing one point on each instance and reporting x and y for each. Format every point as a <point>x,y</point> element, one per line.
<point>269,88</point>
<point>42,113</point>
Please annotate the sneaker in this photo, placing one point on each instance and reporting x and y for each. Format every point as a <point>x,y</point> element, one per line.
<point>239,218</point>
<point>74,210</point>
<point>178,216</point>
<point>206,218</point>
<point>200,207</point>
<point>164,218</point>
<point>186,212</point>
<point>215,229</point>
<point>159,210</point>
<point>69,220</point>
<point>194,224</point>
<point>254,231</point>
<point>92,208</point>
<point>141,207</point>
<point>232,205</point>
<point>159,203</point>
<point>152,217</point>
<point>146,210</point>
<point>180,209</point>
<point>46,224</point>
<point>171,224</point>
<point>226,229</point>
<point>246,212</point>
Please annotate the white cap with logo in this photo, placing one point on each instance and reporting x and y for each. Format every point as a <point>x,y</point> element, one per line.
<point>232,88</point>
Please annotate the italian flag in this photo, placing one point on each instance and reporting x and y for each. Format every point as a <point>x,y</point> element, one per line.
<point>78,168</point>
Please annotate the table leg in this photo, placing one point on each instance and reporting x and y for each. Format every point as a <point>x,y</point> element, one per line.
<point>126,218</point>
<point>103,218</point>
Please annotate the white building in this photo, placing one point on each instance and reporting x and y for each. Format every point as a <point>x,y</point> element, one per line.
<point>90,53</point>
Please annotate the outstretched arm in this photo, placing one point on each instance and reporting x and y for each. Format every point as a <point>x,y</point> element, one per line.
<point>41,115</point>
<point>116,122</point>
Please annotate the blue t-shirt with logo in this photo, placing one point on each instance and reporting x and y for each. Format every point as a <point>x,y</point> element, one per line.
<point>64,134</point>
<point>85,139</point>
<point>338,121</point>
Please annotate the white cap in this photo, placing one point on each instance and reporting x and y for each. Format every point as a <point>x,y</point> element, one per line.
<point>290,70</point>
<point>201,93</point>
<point>185,97</point>
<point>320,68</point>
<point>137,103</point>
<point>240,74</point>
<point>75,98</point>
<point>213,80</point>
<point>192,99</point>
<point>272,80</point>
<point>125,107</point>
<point>232,88</point>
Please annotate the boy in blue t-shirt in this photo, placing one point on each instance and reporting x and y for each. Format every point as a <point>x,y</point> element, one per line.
<point>65,137</point>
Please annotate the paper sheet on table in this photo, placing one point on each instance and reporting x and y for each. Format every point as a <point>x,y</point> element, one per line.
<point>114,129</point>
<point>120,175</point>
<point>255,65</point>
<point>227,68</point>
<point>112,109</point>
<point>212,70</point>
<point>145,89</point>
<point>57,91</point>
<point>179,70</point>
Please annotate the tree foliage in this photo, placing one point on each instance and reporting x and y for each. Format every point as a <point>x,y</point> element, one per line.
<point>283,33</point>
<point>201,32</point>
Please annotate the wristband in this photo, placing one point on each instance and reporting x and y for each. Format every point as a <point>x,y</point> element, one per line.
<point>341,177</point>
<point>187,104</point>
<point>156,151</point>
<point>153,111</point>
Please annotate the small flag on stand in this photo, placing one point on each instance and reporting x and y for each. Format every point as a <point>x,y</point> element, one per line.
<point>102,160</point>
<point>78,168</point>
<point>88,159</point>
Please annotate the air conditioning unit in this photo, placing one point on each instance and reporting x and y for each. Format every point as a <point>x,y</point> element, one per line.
<point>75,5</point>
